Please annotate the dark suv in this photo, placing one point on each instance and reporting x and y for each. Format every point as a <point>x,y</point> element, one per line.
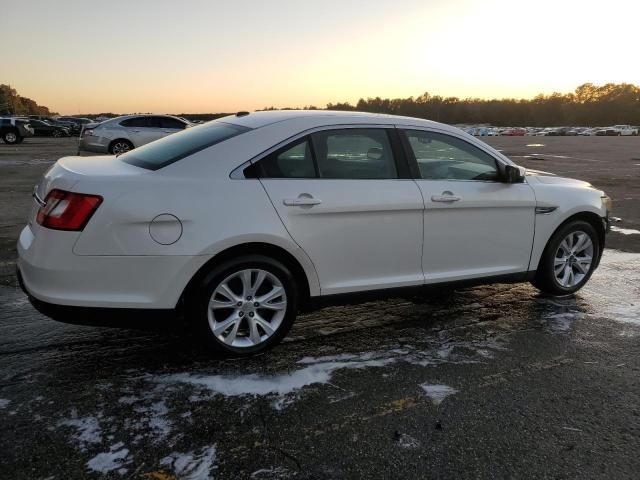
<point>14,130</point>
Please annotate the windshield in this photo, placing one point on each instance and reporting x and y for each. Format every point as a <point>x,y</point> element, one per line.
<point>179,145</point>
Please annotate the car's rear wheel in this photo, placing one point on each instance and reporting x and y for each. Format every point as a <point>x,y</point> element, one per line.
<point>569,259</point>
<point>245,306</point>
<point>120,146</point>
<point>10,137</point>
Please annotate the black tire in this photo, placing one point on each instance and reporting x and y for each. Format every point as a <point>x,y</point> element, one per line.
<point>545,279</point>
<point>11,137</point>
<point>197,307</point>
<point>116,147</point>
<point>57,134</point>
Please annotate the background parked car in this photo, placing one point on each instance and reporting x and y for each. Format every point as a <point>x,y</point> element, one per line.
<point>125,133</point>
<point>78,123</point>
<point>626,130</point>
<point>14,130</point>
<point>42,128</point>
<point>607,132</point>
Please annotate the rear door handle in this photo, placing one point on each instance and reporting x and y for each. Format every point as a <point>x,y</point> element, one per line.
<point>447,198</point>
<point>301,201</point>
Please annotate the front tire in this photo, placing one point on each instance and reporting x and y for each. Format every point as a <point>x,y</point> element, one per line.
<point>569,259</point>
<point>245,306</point>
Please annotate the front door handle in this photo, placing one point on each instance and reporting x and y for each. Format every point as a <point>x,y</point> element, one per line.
<point>301,201</point>
<point>446,197</point>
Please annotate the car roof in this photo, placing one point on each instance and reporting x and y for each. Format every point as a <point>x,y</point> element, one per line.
<point>263,118</point>
<point>136,115</point>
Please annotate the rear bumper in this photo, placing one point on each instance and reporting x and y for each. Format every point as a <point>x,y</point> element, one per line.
<point>94,144</point>
<point>52,274</point>
<point>104,317</point>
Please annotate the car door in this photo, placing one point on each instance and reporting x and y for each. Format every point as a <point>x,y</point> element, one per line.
<point>342,198</point>
<point>475,224</point>
<point>142,130</point>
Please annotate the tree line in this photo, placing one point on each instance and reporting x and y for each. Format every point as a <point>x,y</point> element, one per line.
<point>13,104</point>
<point>588,105</point>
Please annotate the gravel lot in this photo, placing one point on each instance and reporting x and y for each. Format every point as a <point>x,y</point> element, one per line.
<point>486,382</point>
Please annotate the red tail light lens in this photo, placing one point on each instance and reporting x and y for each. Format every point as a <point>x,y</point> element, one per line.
<point>67,210</point>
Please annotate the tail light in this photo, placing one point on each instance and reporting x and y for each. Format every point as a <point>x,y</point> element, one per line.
<point>67,210</point>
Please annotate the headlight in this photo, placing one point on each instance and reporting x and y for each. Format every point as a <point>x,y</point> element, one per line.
<point>607,203</point>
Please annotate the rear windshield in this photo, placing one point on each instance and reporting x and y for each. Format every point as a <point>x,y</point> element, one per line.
<point>179,145</point>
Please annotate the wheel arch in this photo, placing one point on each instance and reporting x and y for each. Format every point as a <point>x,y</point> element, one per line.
<point>254,248</point>
<point>590,217</point>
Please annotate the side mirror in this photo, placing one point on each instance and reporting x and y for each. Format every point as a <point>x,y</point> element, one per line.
<point>514,174</point>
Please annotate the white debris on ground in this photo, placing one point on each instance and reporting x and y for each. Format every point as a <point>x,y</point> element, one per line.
<point>437,393</point>
<point>4,403</point>
<point>154,416</point>
<point>319,370</point>
<point>87,429</point>
<point>114,459</point>
<point>192,466</point>
<point>272,473</point>
<point>625,231</point>
<point>613,292</point>
<point>408,442</point>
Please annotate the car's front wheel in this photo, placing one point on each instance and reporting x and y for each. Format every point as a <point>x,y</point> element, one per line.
<point>245,306</point>
<point>569,259</point>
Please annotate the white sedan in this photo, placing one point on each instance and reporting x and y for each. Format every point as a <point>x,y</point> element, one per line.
<point>240,223</point>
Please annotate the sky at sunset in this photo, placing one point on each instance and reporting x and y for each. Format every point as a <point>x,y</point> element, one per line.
<point>213,56</point>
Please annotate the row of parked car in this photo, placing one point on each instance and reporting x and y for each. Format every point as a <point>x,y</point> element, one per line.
<point>16,129</point>
<point>615,130</point>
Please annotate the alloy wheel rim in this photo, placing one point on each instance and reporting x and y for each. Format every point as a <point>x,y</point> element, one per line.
<point>573,259</point>
<point>11,137</point>
<point>120,147</point>
<point>247,308</point>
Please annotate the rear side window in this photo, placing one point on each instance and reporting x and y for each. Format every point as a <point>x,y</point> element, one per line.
<point>292,161</point>
<point>351,153</point>
<point>145,122</point>
<point>175,147</point>
<point>354,154</point>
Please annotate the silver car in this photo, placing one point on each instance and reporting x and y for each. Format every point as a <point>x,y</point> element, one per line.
<point>121,134</point>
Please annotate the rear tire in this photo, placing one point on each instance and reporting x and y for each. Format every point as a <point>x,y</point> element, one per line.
<point>11,137</point>
<point>120,146</point>
<point>244,306</point>
<point>568,260</point>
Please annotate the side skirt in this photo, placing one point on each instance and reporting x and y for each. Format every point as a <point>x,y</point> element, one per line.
<point>370,295</point>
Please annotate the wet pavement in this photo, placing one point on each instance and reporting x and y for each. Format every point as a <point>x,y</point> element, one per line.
<point>487,382</point>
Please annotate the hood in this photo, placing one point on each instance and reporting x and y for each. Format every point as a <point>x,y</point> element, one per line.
<point>553,179</point>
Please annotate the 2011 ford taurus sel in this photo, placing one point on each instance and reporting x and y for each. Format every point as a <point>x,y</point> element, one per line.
<point>244,221</point>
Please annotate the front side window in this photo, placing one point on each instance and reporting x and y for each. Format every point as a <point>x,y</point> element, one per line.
<point>172,123</point>
<point>179,145</point>
<point>444,157</point>
<point>354,153</point>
